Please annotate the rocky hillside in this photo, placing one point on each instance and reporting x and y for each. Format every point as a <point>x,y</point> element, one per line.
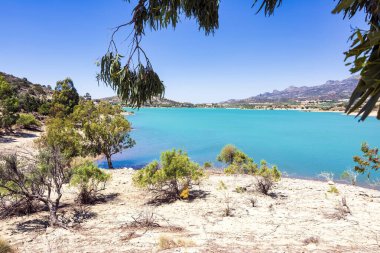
<point>331,90</point>
<point>23,86</point>
<point>155,103</point>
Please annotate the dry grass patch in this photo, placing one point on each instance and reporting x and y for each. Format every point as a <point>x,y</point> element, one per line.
<point>166,242</point>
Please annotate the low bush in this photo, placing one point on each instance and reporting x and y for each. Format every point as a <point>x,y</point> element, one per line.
<point>207,165</point>
<point>267,176</point>
<point>333,189</point>
<point>237,161</point>
<point>44,109</point>
<point>27,121</point>
<point>40,179</point>
<point>89,180</point>
<point>171,178</point>
<point>227,211</point>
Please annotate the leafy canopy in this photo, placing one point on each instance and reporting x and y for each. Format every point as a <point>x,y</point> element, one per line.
<point>65,98</point>
<point>104,128</point>
<point>61,134</point>
<point>139,83</point>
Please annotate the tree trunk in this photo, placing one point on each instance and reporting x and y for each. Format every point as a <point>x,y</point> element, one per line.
<point>110,166</point>
<point>53,218</point>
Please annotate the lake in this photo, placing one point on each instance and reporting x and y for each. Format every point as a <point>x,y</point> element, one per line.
<point>301,143</point>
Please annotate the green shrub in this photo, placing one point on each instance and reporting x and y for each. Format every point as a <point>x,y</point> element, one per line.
<point>89,180</point>
<point>237,161</point>
<point>333,189</point>
<point>5,247</point>
<point>207,165</point>
<point>240,189</point>
<point>266,171</point>
<point>176,174</point>
<point>44,109</point>
<point>227,154</point>
<point>267,176</point>
<point>27,121</point>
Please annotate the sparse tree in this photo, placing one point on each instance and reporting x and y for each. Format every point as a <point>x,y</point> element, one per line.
<point>41,181</point>
<point>105,130</point>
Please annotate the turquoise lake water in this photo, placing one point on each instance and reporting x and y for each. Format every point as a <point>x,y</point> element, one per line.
<point>301,143</point>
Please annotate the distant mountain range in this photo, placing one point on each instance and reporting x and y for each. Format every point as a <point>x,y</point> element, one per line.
<point>156,102</point>
<point>331,90</point>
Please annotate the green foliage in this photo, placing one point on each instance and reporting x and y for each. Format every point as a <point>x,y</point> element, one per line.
<point>134,85</point>
<point>237,161</point>
<point>333,189</point>
<point>227,154</point>
<point>207,165</point>
<point>89,179</point>
<point>365,55</point>
<point>9,105</point>
<point>266,171</point>
<point>370,161</point>
<point>266,177</point>
<point>44,108</point>
<point>175,174</point>
<point>61,134</point>
<point>65,98</point>
<point>27,121</point>
<point>5,247</point>
<point>29,103</point>
<point>240,189</point>
<point>221,186</point>
<point>105,130</point>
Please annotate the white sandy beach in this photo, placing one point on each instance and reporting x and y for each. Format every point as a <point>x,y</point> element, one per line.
<point>301,216</point>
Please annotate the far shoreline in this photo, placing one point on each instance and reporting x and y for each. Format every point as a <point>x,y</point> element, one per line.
<point>372,114</point>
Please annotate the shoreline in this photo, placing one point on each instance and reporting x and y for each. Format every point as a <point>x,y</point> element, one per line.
<point>220,171</point>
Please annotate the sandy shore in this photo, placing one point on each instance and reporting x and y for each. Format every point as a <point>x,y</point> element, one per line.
<point>300,216</point>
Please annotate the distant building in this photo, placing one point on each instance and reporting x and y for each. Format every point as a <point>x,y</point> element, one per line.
<point>87,96</point>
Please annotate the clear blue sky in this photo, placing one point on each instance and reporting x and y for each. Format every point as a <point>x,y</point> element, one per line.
<point>302,44</point>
